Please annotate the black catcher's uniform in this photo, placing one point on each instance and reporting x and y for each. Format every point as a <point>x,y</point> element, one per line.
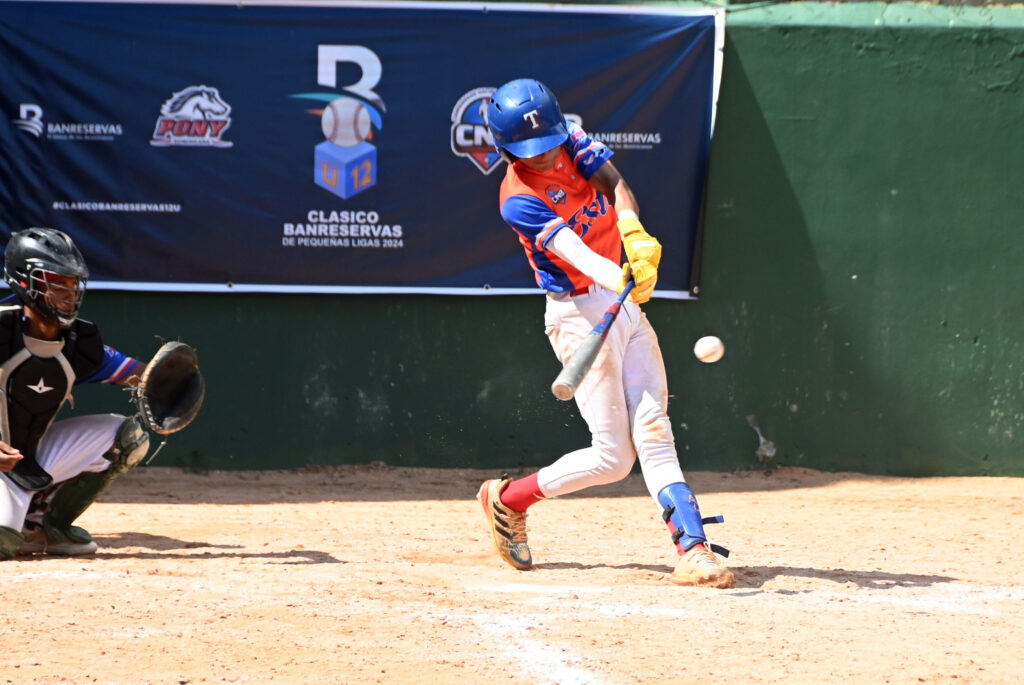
<point>35,380</point>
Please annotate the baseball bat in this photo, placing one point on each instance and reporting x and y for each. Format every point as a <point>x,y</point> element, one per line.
<point>583,358</point>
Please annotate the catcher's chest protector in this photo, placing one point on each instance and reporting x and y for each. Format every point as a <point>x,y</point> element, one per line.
<point>36,377</point>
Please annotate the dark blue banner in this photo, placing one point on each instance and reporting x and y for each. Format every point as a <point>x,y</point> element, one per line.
<point>332,148</point>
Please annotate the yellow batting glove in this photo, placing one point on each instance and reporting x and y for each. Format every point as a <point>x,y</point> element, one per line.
<point>639,243</point>
<point>645,275</point>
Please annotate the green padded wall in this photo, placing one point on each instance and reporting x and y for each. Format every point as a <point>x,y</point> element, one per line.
<point>863,261</point>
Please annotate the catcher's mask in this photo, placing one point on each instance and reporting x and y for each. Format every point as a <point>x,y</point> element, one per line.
<point>47,272</point>
<point>525,120</point>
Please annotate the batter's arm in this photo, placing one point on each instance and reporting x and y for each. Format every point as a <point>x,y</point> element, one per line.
<point>610,183</point>
<point>639,244</point>
<point>606,273</point>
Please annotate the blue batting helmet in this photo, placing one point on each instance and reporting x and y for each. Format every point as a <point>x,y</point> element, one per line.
<point>524,119</point>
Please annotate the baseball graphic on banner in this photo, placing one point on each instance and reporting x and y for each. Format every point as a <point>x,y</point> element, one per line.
<point>346,122</point>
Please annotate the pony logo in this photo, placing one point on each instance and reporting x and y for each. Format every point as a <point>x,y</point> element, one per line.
<point>193,116</point>
<point>470,136</point>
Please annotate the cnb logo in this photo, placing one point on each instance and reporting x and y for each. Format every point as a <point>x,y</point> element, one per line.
<point>30,119</point>
<point>345,164</point>
<point>193,116</point>
<point>470,136</point>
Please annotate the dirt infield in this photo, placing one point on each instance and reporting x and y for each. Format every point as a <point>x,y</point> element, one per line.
<point>386,575</point>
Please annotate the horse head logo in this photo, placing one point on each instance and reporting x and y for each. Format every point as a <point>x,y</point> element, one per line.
<point>196,115</point>
<point>196,102</point>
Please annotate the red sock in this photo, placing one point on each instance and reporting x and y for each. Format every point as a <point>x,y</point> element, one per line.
<point>682,551</point>
<point>679,546</point>
<point>520,494</point>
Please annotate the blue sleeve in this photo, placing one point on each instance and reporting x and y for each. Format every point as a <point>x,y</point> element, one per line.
<point>116,367</point>
<point>530,217</point>
<point>587,154</point>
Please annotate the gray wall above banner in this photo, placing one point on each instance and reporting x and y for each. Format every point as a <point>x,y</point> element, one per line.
<point>347,154</point>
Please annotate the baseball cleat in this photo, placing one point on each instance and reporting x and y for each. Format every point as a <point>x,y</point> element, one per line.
<point>37,542</point>
<point>508,527</point>
<point>700,567</point>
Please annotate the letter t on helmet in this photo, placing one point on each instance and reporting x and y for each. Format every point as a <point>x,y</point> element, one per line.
<point>525,120</point>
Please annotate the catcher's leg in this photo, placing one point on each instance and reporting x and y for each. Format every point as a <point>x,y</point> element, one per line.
<point>14,502</point>
<point>10,541</point>
<point>54,533</point>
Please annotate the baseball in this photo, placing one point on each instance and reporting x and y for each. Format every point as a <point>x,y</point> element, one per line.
<point>345,122</point>
<point>709,349</point>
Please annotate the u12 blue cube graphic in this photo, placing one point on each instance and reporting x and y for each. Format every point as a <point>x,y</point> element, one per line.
<point>345,171</point>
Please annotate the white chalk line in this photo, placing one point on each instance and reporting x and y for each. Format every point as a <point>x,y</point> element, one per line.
<point>535,661</point>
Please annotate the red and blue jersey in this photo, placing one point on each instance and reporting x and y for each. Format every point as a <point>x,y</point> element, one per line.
<point>538,204</point>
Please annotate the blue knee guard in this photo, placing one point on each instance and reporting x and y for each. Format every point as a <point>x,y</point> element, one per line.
<point>682,514</point>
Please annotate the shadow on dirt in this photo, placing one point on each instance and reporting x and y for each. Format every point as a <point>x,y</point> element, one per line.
<point>576,566</point>
<point>801,580</point>
<point>756,577</point>
<point>170,548</point>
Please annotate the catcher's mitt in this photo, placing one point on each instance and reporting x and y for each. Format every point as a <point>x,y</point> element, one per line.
<point>171,390</point>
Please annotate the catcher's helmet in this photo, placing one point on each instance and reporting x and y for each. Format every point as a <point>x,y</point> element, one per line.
<point>36,255</point>
<point>525,120</point>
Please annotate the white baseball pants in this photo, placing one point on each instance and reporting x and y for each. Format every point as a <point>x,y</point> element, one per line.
<point>70,447</point>
<point>623,399</point>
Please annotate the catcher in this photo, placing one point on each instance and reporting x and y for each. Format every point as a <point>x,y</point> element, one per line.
<point>50,472</point>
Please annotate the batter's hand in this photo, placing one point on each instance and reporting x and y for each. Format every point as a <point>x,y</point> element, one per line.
<point>639,244</point>
<point>9,457</point>
<point>645,276</point>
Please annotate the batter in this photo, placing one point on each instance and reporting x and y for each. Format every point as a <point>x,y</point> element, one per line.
<point>574,213</point>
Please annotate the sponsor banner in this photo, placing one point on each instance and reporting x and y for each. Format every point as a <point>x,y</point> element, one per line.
<point>333,147</point>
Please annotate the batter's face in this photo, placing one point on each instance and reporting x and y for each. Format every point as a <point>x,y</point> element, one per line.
<point>542,162</point>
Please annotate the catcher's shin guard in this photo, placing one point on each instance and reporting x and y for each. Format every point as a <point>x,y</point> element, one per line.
<point>74,496</point>
<point>10,541</point>
<point>682,514</point>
